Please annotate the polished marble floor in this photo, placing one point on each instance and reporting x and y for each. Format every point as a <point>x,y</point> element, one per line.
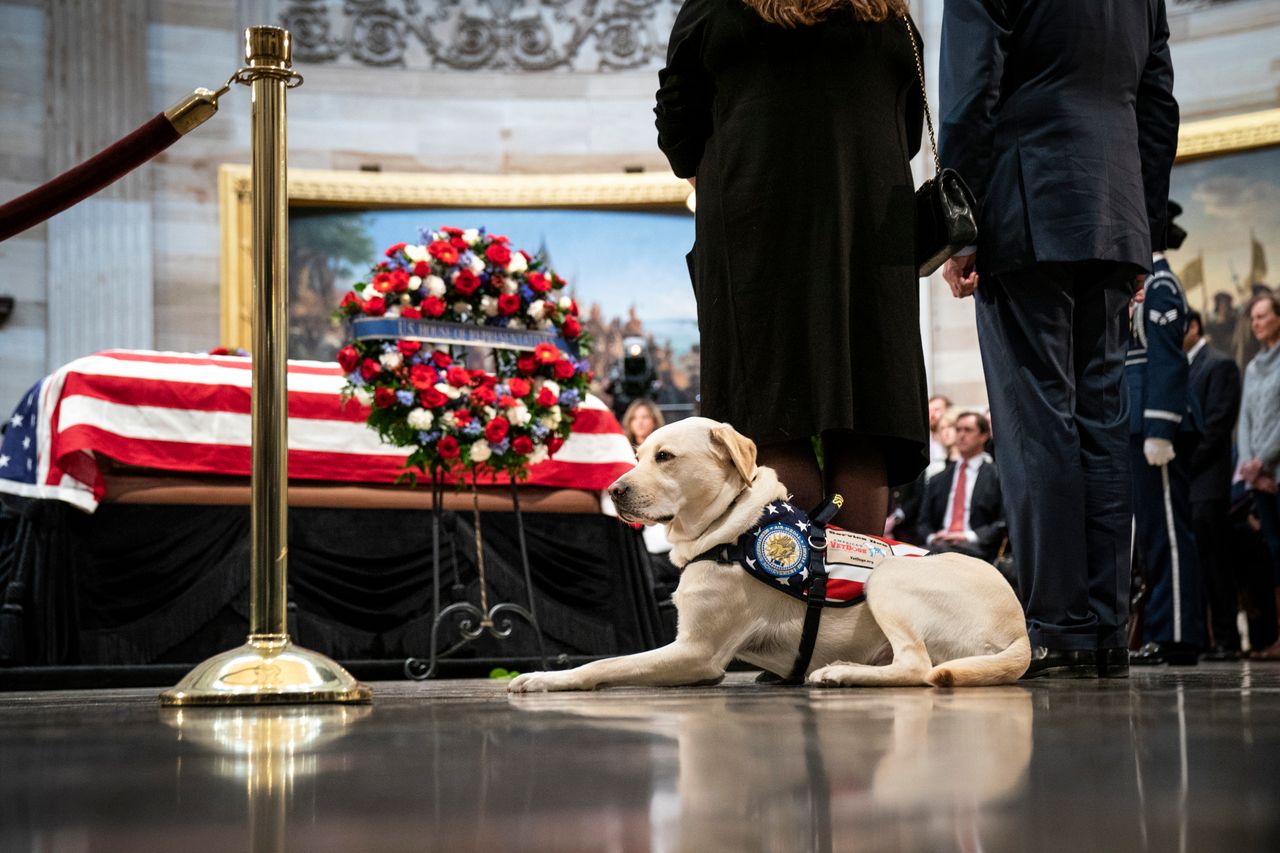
<point>1171,760</point>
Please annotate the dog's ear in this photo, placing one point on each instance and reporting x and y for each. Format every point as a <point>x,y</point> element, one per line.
<point>742,450</point>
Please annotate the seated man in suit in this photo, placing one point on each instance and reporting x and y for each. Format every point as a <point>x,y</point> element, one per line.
<point>962,508</point>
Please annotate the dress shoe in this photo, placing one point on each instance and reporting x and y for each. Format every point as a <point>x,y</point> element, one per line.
<point>1220,653</point>
<point>1174,654</point>
<point>1062,663</point>
<point>1113,663</point>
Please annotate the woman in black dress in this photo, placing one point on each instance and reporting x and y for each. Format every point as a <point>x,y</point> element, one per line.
<point>796,121</point>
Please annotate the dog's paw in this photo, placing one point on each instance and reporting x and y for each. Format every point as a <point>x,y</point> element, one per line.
<point>542,682</point>
<point>837,674</point>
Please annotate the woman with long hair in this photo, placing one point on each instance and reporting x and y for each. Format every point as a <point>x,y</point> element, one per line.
<point>796,121</point>
<point>640,419</point>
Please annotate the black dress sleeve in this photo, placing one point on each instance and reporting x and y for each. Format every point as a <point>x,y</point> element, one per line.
<point>1157,128</point>
<point>915,104</point>
<point>684,92</point>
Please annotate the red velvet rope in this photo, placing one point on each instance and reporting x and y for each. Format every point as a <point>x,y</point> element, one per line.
<point>76,184</point>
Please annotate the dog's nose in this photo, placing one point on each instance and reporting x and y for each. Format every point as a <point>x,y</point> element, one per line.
<point>618,489</point>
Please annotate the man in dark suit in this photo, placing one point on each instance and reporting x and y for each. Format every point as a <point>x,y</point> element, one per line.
<point>1061,118</point>
<point>1215,383</point>
<point>962,509</point>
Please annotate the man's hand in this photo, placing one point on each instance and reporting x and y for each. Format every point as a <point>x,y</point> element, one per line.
<point>961,273</point>
<point>946,536</point>
<point>1159,451</point>
<point>1266,484</point>
<point>1250,470</point>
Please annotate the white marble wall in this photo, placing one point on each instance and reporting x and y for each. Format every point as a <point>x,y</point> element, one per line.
<point>347,116</point>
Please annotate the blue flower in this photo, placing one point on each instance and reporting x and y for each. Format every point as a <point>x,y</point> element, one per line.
<point>526,292</point>
<point>501,447</point>
<point>405,397</point>
<point>501,390</point>
<point>429,437</point>
<point>473,428</point>
<point>570,398</point>
<point>540,432</point>
<point>356,379</point>
<point>484,277</point>
<point>465,259</point>
<point>424,235</point>
<point>387,346</point>
<point>584,365</point>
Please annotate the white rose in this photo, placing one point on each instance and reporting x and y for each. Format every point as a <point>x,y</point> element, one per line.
<point>448,390</point>
<point>510,286</point>
<point>539,454</point>
<point>393,311</point>
<point>391,360</point>
<point>416,253</point>
<point>421,419</point>
<point>546,324</point>
<point>555,389</point>
<point>565,303</point>
<point>448,419</point>
<point>537,309</point>
<point>549,422</point>
<point>477,264</point>
<point>518,415</point>
<point>517,263</point>
<point>364,396</point>
<point>489,306</point>
<point>471,236</point>
<point>480,451</point>
<point>435,285</point>
<point>415,282</point>
<point>490,413</point>
<point>513,323</point>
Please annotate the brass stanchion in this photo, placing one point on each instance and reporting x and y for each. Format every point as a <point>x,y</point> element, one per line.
<point>268,668</point>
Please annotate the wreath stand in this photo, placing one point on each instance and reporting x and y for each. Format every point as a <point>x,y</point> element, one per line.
<point>476,620</point>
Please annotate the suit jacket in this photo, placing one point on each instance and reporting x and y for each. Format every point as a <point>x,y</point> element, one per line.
<point>1215,383</point>
<point>1161,404</point>
<point>1061,118</point>
<point>986,510</point>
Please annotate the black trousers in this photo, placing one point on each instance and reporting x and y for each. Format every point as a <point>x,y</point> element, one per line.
<point>1170,559</point>
<point>1053,339</point>
<point>1209,519</point>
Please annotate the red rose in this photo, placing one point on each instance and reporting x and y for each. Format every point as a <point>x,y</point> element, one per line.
<point>384,397</point>
<point>522,444</point>
<point>422,269</point>
<point>432,398</point>
<point>546,353</point>
<point>408,348</point>
<point>461,417</point>
<point>573,307</point>
<point>443,252</point>
<point>546,397</point>
<point>382,282</point>
<point>422,376</point>
<point>538,282</point>
<point>571,328</point>
<point>563,369</point>
<point>448,447</point>
<point>498,254</point>
<point>375,307</point>
<point>484,395</point>
<point>458,377</point>
<point>479,378</point>
<point>508,304</point>
<point>507,401</point>
<point>348,358</point>
<point>351,299</point>
<point>499,238</point>
<point>496,430</point>
<point>410,313</point>
<point>433,306</point>
<point>519,387</point>
<point>442,359</point>
<point>458,243</point>
<point>554,443</point>
<point>399,281</point>
<point>496,282</point>
<point>391,250</point>
<point>466,282</point>
<point>526,363</point>
<point>369,369</point>
<point>451,230</point>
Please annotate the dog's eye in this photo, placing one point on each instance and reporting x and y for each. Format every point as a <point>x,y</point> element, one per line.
<point>662,456</point>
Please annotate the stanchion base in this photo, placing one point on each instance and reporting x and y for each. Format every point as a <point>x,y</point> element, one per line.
<point>266,671</point>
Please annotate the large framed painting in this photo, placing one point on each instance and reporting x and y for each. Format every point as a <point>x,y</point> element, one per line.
<point>620,240</point>
<point>1227,180</point>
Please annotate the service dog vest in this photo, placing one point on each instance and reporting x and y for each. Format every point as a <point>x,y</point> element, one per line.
<point>777,551</point>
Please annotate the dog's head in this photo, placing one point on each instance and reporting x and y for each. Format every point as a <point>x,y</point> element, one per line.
<point>685,468</point>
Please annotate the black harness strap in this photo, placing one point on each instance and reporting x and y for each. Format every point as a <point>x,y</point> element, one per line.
<point>817,591</point>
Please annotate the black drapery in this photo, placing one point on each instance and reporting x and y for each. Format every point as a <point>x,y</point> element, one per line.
<point>141,584</point>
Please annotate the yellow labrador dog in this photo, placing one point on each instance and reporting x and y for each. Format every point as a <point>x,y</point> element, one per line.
<point>945,619</point>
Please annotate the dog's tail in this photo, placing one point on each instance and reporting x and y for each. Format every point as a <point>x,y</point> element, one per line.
<point>1001,668</point>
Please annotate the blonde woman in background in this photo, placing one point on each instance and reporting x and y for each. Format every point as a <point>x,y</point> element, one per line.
<point>640,419</point>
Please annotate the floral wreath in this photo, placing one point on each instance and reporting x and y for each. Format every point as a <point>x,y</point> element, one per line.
<point>420,396</point>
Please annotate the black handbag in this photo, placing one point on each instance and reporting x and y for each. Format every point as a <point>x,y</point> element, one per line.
<point>945,220</point>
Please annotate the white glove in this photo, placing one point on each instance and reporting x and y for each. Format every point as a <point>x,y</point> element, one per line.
<point>1159,451</point>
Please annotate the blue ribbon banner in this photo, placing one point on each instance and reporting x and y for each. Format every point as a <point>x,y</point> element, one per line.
<point>458,334</point>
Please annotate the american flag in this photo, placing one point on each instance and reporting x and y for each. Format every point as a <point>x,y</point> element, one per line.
<point>189,413</point>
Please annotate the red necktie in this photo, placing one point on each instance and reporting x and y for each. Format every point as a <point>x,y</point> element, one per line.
<point>957,503</point>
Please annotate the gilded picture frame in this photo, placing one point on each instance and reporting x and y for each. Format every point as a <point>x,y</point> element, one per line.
<point>408,190</point>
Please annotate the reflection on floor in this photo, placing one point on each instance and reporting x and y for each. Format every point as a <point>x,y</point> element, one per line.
<point>1180,760</point>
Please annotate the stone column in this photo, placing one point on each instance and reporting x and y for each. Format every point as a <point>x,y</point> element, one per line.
<point>100,251</point>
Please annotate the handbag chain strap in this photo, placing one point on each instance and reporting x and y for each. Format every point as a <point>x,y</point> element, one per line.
<point>924,94</point>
